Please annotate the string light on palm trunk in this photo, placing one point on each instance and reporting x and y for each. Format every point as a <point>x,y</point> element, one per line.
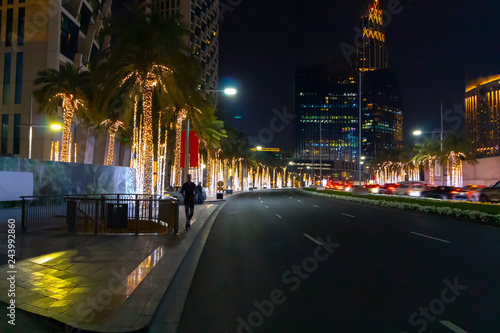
<point>112,126</point>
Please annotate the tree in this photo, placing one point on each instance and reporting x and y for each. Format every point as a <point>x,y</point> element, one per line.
<point>69,85</point>
<point>455,151</point>
<point>427,152</point>
<point>148,58</point>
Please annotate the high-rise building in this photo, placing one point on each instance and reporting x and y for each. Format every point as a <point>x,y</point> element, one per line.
<point>482,113</point>
<point>328,99</point>
<point>382,112</point>
<point>372,53</point>
<point>202,18</point>
<point>34,36</point>
<point>329,96</point>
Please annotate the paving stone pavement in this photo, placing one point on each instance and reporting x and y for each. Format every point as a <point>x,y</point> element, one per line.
<point>103,283</point>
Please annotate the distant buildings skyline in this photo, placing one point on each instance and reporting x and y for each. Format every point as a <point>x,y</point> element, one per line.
<point>482,113</point>
<point>327,97</point>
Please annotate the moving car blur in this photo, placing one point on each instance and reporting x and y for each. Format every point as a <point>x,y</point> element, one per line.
<point>388,188</point>
<point>443,192</point>
<point>490,194</point>
<point>411,188</point>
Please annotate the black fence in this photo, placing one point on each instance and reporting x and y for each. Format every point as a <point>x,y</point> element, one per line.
<point>107,213</point>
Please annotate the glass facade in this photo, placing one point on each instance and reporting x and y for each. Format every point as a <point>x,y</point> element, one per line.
<point>19,78</point>
<point>17,134</point>
<point>6,78</point>
<point>482,114</point>
<point>5,134</point>
<point>330,99</point>
<point>20,26</point>
<point>8,28</point>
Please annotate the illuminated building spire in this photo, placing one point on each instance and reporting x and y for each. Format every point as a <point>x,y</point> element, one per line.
<point>371,52</point>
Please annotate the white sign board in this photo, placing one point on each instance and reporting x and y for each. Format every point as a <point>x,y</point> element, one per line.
<point>15,184</point>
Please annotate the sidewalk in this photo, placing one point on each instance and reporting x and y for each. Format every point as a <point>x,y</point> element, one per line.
<point>103,283</point>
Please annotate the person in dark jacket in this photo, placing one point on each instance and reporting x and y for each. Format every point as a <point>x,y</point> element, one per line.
<point>188,191</point>
<point>201,197</point>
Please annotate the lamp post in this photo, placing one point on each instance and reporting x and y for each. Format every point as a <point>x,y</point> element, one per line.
<point>185,170</point>
<point>54,127</point>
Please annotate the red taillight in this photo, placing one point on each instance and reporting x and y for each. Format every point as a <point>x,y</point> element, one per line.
<point>391,188</point>
<point>454,192</point>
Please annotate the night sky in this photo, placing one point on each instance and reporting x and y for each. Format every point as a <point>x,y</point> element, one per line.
<point>434,46</point>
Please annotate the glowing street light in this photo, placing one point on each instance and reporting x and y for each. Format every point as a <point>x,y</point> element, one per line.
<point>417,133</point>
<point>230,91</point>
<point>56,127</point>
<point>259,148</point>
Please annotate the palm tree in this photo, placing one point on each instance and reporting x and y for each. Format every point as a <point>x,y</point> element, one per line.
<point>69,85</point>
<point>427,152</point>
<point>148,59</point>
<point>455,151</point>
<point>113,126</point>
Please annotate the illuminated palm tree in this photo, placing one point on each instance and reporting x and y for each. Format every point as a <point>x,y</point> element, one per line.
<point>112,126</point>
<point>455,152</point>
<point>427,152</point>
<point>148,61</point>
<point>69,85</point>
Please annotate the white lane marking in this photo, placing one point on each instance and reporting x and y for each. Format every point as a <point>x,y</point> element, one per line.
<point>299,200</point>
<point>348,215</point>
<point>278,216</point>
<point>452,326</point>
<point>315,241</point>
<point>438,239</point>
<point>267,206</point>
<point>290,197</point>
<point>261,201</point>
<point>316,206</point>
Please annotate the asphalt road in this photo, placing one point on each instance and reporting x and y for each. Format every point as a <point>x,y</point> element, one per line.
<point>283,261</point>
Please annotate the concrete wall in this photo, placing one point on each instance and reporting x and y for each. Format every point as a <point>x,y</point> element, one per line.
<point>486,172</point>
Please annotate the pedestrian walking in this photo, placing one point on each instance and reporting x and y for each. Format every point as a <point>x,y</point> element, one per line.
<point>201,197</point>
<point>188,191</point>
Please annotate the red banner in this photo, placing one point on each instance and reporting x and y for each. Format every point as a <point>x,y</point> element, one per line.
<point>194,147</point>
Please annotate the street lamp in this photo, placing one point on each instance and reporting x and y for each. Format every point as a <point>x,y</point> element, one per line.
<point>56,127</point>
<point>417,133</point>
<point>227,91</point>
<point>259,148</point>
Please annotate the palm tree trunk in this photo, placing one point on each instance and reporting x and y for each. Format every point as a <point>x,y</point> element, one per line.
<point>68,111</point>
<point>147,144</point>
<point>111,147</point>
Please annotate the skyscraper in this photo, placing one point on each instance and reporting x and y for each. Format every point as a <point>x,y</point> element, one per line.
<point>372,53</point>
<point>202,18</point>
<point>34,36</point>
<point>482,113</point>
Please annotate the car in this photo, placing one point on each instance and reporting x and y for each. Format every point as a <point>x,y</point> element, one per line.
<point>490,194</point>
<point>388,188</point>
<point>441,192</point>
<point>470,193</point>
<point>411,188</point>
<point>373,188</point>
<point>176,193</point>
<point>335,185</point>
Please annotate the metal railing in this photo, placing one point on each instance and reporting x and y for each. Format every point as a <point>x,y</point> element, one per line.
<point>102,213</point>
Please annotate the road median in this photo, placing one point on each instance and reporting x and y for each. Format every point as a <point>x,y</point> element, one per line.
<point>477,212</point>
